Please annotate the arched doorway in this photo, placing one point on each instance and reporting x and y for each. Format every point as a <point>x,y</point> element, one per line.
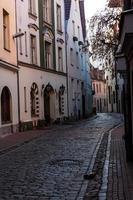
<point>47,108</point>
<point>6,105</point>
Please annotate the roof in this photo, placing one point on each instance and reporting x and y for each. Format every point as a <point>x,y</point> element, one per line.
<point>67,9</point>
<point>82,14</point>
<point>97,74</point>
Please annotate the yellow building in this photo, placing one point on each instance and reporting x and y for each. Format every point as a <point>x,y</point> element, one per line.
<point>8,69</point>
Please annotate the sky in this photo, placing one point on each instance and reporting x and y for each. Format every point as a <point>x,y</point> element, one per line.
<point>91,7</point>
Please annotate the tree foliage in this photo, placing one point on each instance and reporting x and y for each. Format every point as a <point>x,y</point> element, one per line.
<point>103,33</point>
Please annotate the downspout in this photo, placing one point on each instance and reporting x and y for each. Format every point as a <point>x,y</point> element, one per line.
<point>67,79</point>
<point>17,71</point>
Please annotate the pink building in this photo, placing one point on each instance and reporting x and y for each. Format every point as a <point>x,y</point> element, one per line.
<point>99,88</point>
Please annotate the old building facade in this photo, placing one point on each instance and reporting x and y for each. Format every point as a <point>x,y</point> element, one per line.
<point>41,58</point>
<point>36,84</point>
<point>79,85</point>
<point>9,112</point>
<point>124,65</point>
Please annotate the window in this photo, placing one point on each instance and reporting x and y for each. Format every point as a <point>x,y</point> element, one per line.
<point>47,14</point>
<point>97,87</point>
<point>33,49</point>
<point>78,32</point>
<point>59,27</point>
<point>73,25</point>
<point>5,106</point>
<point>25,35</point>
<point>32,8</point>
<point>109,92</point>
<point>6,34</point>
<point>25,100</point>
<point>114,97</point>
<point>71,56</point>
<point>94,86</point>
<point>82,62</point>
<point>76,5</point>
<point>60,59</point>
<point>77,60</point>
<point>48,54</point>
<point>77,85</point>
<point>20,43</point>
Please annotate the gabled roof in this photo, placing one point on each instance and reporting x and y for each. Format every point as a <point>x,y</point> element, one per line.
<point>67,9</point>
<point>97,74</point>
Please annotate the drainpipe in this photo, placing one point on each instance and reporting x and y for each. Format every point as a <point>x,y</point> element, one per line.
<point>67,80</point>
<point>18,70</point>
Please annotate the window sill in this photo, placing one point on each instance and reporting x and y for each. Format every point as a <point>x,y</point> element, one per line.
<point>34,116</point>
<point>7,50</point>
<point>6,122</point>
<point>32,15</point>
<point>47,22</point>
<point>59,31</point>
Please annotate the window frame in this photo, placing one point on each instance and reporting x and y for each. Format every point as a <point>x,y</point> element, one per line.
<point>6,31</point>
<point>33,49</point>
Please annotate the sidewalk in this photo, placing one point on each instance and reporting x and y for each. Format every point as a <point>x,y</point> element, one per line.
<point>14,140</point>
<point>120,179</point>
<point>11,141</point>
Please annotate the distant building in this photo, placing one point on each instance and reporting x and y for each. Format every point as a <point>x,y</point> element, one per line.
<point>99,89</point>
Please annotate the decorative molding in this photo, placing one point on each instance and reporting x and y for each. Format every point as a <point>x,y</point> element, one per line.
<point>8,66</point>
<point>34,26</point>
<point>48,34</point>
<point>41,68</point>
<point>60,40</point>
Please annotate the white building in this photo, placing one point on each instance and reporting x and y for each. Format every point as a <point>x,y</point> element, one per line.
<point>42,78</point>
<point>8,69</point>
<point>79,86</point>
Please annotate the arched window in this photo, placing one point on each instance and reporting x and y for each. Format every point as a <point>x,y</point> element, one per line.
<point>34,100</point>
<point>5,105</point>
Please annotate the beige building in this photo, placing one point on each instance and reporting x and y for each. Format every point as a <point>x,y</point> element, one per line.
<point>99,88</point>
<point>8,69</point>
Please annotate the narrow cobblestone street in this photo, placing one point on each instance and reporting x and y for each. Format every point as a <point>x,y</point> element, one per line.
<point>53,166</point>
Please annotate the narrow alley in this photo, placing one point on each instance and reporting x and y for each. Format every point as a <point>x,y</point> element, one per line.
<point>57,164</point>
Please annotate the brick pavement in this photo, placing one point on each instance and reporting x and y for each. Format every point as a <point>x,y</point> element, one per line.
<point>120,179</point>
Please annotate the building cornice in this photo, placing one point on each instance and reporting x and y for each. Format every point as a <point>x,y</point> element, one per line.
<point>32,66</point>
<point>8,66</point>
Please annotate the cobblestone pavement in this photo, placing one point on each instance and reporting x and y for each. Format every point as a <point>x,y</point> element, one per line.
<point>52,167</point>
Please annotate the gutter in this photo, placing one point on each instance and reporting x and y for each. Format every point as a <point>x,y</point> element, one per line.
<point>18,90</point>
